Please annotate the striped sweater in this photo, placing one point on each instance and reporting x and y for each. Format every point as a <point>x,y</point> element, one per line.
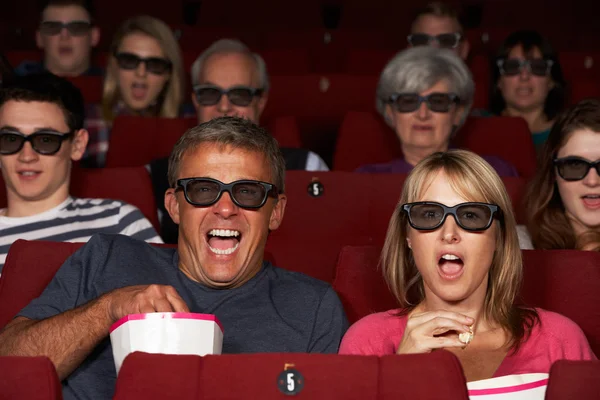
<point>76,220</point>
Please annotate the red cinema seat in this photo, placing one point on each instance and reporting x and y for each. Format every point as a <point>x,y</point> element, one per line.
<point>31,378</point>
<point>580,89</point>
<point>319,103</point>
<point>159,376</point>
<point>315,228</point>
<point>286,130</point>
<point>368,61</point>
<point>29,267</point>
<point>578,65</point>
<point>90,87</point>
<point>359,282</point>
<point>506,137</point>
<point>365,139</point>
<point>563,281</point>
<point>233,376</point>
<point>131,185</point>
<point>409,377</point>
<point>567,282</point>
<point>16,57</point>
<point>480,68</point>
<point>574,380</point>
<point>135,141</point>
<point>257,376</point>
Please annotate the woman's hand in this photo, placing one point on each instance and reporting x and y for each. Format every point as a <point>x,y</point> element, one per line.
<point>426,331</point>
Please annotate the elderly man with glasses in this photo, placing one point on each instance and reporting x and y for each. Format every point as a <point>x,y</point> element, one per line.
<point>41,119</point>
<point>227,193</point>
<point>67,35</point>
<point>228,80</point>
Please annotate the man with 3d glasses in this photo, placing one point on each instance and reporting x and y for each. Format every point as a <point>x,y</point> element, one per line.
<point>226,194</point>
<point>41,134</point>
<point>229,80</point>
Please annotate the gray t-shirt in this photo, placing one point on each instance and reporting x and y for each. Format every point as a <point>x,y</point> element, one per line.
<point>276,311</point>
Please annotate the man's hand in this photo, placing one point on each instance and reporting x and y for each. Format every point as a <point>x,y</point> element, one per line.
<point>143,299</point>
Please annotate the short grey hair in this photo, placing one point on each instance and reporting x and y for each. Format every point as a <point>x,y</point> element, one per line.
<point>417,69</point>
<point>228,46</point>
<point>239,133</point>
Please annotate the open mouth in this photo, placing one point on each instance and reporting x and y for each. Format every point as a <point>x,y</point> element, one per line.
<point>591,200</point>
<point>28,174</point>
<point>450,266</point>
<point>139,90</point>
<point>223,241</point>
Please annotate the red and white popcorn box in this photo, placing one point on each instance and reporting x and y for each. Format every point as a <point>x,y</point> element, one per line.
<point>167,333</point>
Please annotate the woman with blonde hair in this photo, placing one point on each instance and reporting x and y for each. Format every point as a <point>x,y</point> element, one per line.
<point>144,77</point>
<point>452,260</point>
<point>563,200</point>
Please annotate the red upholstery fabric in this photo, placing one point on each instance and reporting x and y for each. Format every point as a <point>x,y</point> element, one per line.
<point>574,380</point>
<point>567,282</point>
<point>29,267</point>
<point>506,137</point>
<point>154,138</point>
<point>365,139</point>
<point>327,376</point>
<point>90,86</point>
<point>410,377</point>
<point>31,378</point>
<point>359,282</point>
<point>563,281</point>
<point>131,185</point>
<point>136,141</point>
<point>159,376</point>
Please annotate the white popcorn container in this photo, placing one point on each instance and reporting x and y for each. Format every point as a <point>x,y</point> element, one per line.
<point>167,333</point>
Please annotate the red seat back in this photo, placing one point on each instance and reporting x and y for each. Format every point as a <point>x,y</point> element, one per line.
<point>365,139</point>
<point>135,141</point>
<point>232,376</point>
<point>131,185</point>
<point>29,267</point>
<point>574,380</point>
<point>31,378</point>
<point>409,377</point>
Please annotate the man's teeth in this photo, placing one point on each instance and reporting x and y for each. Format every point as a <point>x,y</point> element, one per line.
<point>224,233</point>
<point>28,173</point>
<point>225,251</point>
<point>450,257</point>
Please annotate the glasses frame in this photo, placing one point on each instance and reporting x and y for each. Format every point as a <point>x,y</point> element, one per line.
<point>558,161</point>
<point>523,64</point>
<point>457,35</point>
<point>270,191</point>
<point>495,212</point>
<point>65,25</point>
<point>29,138</point>
<point>254,92</point>
<point>145,60</point>
<point>454,99</point>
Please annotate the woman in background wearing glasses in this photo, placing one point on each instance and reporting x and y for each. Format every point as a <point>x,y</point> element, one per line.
<point>144,77</point>
<point>527,82</point>
<point>563,201</point>
<point>452,260</point>
<point>424,94</point>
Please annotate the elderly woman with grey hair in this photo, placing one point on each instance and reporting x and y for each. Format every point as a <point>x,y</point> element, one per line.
<point>424,94</point>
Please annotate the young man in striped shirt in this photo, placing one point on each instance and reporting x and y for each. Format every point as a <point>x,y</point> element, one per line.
<point>41,120</point>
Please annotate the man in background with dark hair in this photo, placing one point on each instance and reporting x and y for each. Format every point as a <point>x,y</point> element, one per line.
<point>67,35</point>
<point>41,134</point>
<point>437,24</point>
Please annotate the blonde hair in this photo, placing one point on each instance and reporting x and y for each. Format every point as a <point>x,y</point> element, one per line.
<point>475,180</point>
<point>171,97</point>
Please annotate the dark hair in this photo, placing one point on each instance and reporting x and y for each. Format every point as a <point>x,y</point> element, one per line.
<point>86,4</point>
<point>47,88</point>
<point>439,9</point>
<point>547,223</point>
<point>530,40</point>
<point>239,133</point>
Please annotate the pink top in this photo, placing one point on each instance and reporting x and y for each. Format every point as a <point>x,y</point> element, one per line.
<point>556,338</point>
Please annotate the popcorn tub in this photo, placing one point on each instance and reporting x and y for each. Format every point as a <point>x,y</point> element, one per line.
<point>167,333</point>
